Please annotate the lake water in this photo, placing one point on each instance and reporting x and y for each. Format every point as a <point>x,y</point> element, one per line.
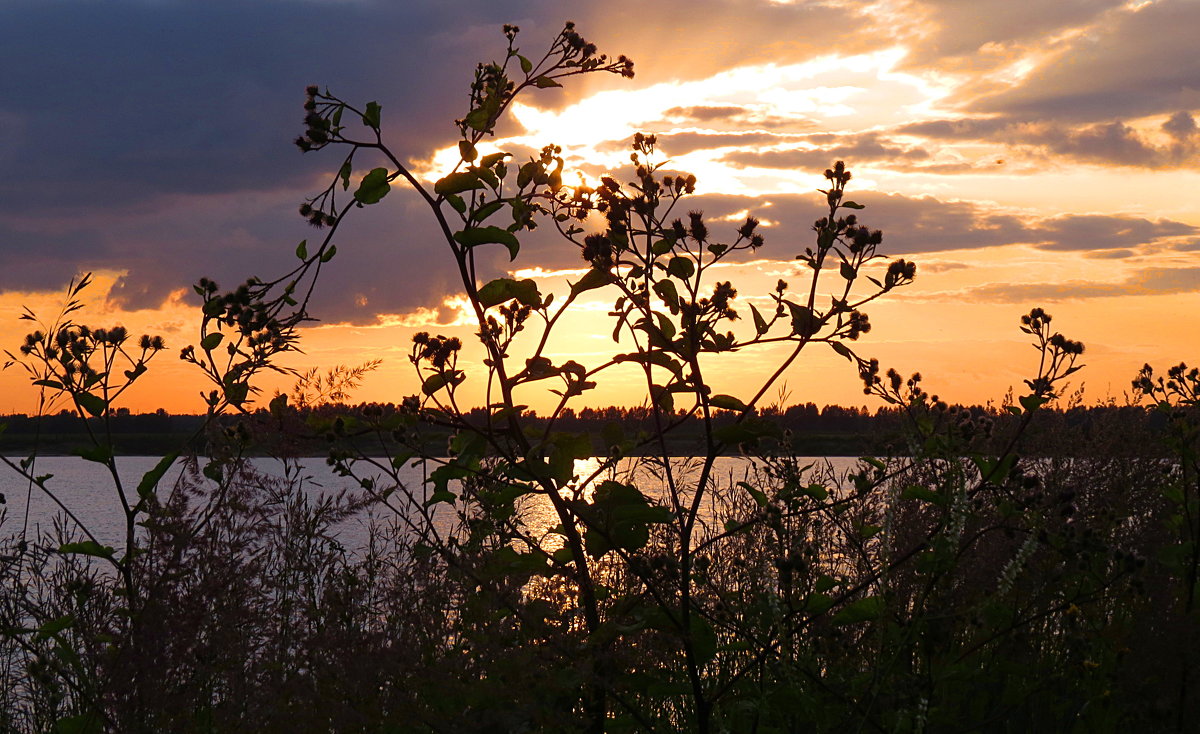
<point>87,490</point>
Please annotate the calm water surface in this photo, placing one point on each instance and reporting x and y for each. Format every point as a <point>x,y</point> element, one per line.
<point>87,489</point>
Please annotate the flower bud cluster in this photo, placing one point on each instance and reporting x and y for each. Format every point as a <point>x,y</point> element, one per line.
<point>318,128</point>
<point>440,351</point>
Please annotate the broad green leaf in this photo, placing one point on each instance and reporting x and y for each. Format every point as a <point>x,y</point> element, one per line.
<point>212,341</point>
<point>848,272</point>
<point>760,497</point>
<point>458,182</point>
<point>592,279</point>
<point>329,253</point>
<point>662,359</point>
<point>543,82</point>
<point>526,64</point>
<point>760,324</point>
<point>502,290</point>
<point>371,118</point>
<point>727,402</point>
<point>916,492</point>
<point>476,236</point>
<point>665,325</point>
<point>466,150</point>
<point>433,383</point>
<point>804,323</point>
<point>1032,402</point>
<point>666,290</point>
<point>816,491</point>
<point>373,187</point>
<point>681,267</point>
<point>487,210</point>
<point>478,119</point>
<point>86,548</point>
<point>98,454</point>
<point>151,478</point>
<point>93,404</point>
<point>817,603</point>
<point>491,159</point>
<point>302,250</point>
<point>703,638</point>
<point>54,626</point>
<point>843,350</point>
<point>79,724</point>
<point>441,495</point>
<point>863,610</point>
<point>852,205</point>
<point>237,392</point>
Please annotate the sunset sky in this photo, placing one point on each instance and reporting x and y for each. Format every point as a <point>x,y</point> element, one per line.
<point>1022,153</point>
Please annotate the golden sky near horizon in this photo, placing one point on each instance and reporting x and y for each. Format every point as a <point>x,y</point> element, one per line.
<point>1022,154</point>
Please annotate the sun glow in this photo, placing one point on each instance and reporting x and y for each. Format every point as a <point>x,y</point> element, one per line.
<point>771,101</point>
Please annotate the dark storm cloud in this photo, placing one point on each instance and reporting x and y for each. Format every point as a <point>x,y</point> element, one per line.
<point>1134,64</point>
<point>863,147</point>
<point>1148,282</point>
<point>155,138</point>
<point>1113,143</point>
<point>1104,232</point>
<point>707,113</point>
<point>923,225</point>
<point>956,28</point>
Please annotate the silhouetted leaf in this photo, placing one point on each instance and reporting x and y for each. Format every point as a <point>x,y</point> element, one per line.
<point>1032,402</point>
<point>863,610</point>
<point>681,267</point>
<point>592,279</point>
<point>374,187</point>
<point>54,626</point>
<point>433,383</point>
<point>760,324</point>
<point>371,118</point>
<point>476,236</point>
<point>101,454</point>
<point>502,290</point>
<point>151,478</point>
<point>86,548</point>
<point>916,492</point>
<point>212,341</point>
<point>92,403</point>
<point>760,497</point>
<point>662,359</point>
<point>804,323</point>
<point>237,393</point>
<point>727,402</point>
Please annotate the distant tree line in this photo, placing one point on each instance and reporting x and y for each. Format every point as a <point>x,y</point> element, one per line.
<point>831,430</point>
